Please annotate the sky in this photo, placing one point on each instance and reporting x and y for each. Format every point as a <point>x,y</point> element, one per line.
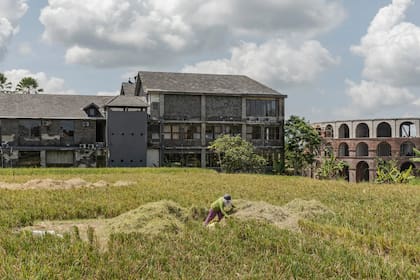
<point>334,59</point>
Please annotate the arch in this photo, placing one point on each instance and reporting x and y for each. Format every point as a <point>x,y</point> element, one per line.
<point>343,150</point>
<point>408,129</point>
<point>343,131</point>
<point>345,173</point>
<point>383,130</point>
<point>329,131</point>
<point>318,130</point>
<point>407,165</point>
<point>328,150</point>
<point>383,150</point>
<point>406,149</point>
<point>362,172</point>
<point>362,150</point>
<point>362,130</point>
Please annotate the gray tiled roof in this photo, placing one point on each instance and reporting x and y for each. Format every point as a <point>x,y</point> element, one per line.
<point>127,101</point>
<point>48,105</point>
<point>128,89</point>
<point>203,83</point>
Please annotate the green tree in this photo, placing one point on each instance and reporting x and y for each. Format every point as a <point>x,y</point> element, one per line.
<point>302,142</point>
<point>237,155</point>
<point>331,168</point>
<point>28,85</point>
<point>387,172</point>
<point>4,84</point>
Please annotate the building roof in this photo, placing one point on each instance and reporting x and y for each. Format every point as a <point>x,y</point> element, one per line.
<point>48,105</point>
<point>128,89</point>
<point>127,101</point>
<point>203,83</point>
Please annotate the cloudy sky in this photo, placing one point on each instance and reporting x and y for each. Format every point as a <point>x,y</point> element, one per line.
<point>334,59</point>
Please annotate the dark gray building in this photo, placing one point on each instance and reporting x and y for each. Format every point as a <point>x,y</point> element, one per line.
<point>159,119</point>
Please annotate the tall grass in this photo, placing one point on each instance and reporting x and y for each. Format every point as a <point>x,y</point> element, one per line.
<point>374,233</point>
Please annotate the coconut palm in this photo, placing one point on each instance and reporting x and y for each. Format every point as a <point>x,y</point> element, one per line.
<point>28,85</point>
<point>4,84</point>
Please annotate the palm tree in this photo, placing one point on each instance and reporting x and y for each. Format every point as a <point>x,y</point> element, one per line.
<point>28,85</point>
<point>4,84</point>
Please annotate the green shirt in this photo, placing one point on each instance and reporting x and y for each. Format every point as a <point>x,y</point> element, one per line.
<point>218,205</point>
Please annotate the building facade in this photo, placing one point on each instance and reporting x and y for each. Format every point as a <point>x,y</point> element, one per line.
<point>160,119</point>
<point>361,142</point>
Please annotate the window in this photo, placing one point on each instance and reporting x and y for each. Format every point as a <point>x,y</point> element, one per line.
<point>362,130</point>
<point>154,133</point>
<point>67,132</point>
<point>329,131</point>
<point>30,130</point>
<point>253,132</point>
<point>171,132</point>
<point>384,150</point>
<point>328,150</point>
<point>261,108</point>
<point>343,131</point>
<point>192,131</point>
<point>407,129</point>
<point>383,130</point>
<point>214,131</point>
<point>407,149</point>
<point>343,150</point>
<point>272,133</point>
<point>362,150</point>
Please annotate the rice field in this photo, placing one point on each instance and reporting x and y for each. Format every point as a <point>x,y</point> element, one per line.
<point>372,232</point>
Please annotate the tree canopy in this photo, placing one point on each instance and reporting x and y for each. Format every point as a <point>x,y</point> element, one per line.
<point>237,155</point>
<point>28,85</point>
<point>302,142</point>
<point>4,84</point>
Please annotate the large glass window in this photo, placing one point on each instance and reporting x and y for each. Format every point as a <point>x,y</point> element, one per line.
<point>214,131</point>
<point>171,132</point>
<point>261,108</point>
<point>67,132</point>
<point>192,131</point>
<point>253,132</point>
<point>29,131</point>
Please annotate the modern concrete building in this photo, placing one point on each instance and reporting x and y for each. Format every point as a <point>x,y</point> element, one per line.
<point>360,142</point>
<point>159,119</point>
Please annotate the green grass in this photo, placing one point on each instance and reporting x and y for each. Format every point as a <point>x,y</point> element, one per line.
<point>374,233</point>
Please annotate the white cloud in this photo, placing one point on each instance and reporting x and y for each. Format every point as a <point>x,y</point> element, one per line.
<point>370,98</point>
<point>391,47</point>
<point>25,49</point>
<point>52,85</point>
<point>149,32</point>
<point>10,13</point>
<point>276,62</point>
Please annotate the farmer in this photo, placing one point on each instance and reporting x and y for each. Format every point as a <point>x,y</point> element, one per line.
<point>217,208</point>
